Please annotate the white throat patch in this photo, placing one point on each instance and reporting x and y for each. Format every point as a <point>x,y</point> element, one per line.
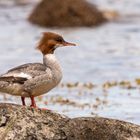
<point>50,57</point>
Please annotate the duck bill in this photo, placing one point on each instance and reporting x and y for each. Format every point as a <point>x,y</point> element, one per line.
<point>68,44</point>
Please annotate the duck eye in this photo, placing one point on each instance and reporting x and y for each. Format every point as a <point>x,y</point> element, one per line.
<point>59,39</point>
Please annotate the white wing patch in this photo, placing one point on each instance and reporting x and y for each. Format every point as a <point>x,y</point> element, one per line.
<point>23,75</point>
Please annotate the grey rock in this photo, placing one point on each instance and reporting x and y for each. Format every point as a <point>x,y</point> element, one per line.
<point>25,123</point>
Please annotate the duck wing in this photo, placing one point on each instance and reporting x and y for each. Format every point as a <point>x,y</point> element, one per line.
<point>29,66</point>
<point>27,71</point>
<point>25,78</point>
<point>12,79</point>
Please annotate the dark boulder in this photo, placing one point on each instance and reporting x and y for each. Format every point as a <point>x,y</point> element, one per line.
<point>66,13</point>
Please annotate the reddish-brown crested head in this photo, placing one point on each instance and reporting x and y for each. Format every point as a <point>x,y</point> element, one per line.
<point>50,41</point>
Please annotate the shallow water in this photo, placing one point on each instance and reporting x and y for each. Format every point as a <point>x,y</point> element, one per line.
<point>108,53</point>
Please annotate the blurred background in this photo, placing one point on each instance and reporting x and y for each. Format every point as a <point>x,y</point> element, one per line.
<point>101,76</point>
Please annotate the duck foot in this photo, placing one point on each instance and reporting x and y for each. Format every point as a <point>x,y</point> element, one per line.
<point>33,103</point>
<point>44,109</point>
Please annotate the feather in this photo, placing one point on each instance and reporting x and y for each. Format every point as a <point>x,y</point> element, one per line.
<point>12,79</point>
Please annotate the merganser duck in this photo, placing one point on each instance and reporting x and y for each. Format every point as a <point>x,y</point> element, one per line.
<point>34,79</point>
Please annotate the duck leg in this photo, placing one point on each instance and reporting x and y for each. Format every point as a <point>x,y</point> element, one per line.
<point>23,101</point>
<point>33,103</point>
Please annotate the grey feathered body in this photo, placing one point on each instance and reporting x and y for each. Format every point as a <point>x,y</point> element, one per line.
<point>32,79</point>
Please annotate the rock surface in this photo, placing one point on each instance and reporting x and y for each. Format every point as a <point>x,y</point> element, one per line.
<point>25,123</point>
<point>66,13</point>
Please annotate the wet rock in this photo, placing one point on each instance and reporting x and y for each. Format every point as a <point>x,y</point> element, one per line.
<point>25,123</point>
<point>66,13</point>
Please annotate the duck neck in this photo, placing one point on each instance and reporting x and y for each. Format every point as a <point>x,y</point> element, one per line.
<point>53,65</point>
<point>50,61</point>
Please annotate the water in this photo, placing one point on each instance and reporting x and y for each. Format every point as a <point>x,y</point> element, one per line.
<point>108,53</point>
